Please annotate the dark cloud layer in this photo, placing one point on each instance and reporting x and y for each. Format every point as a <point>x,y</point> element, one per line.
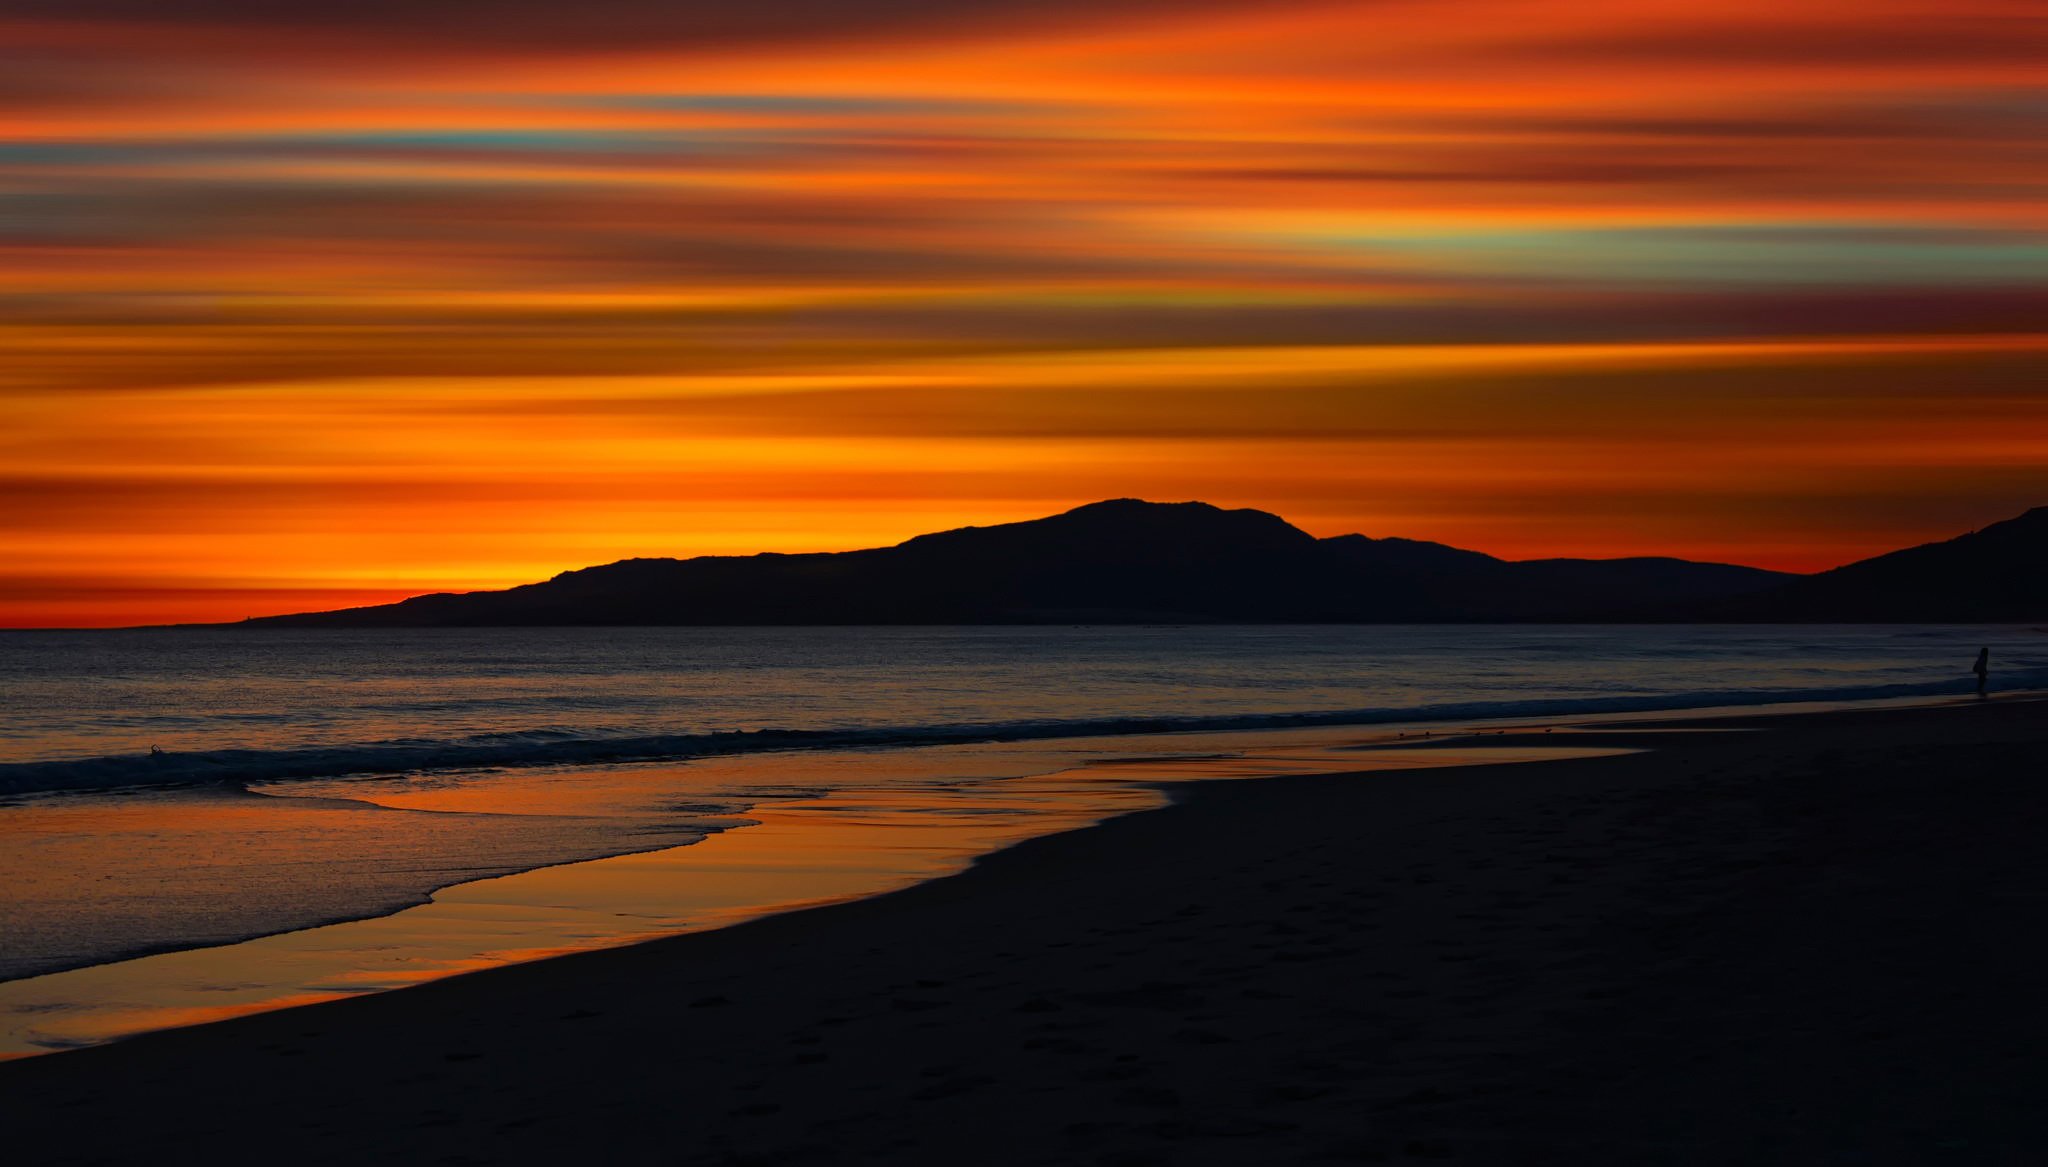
<point>548,26</point>
<point>1934,37</point>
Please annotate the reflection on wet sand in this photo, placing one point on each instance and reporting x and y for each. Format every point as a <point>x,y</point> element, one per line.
<point>849,843</point>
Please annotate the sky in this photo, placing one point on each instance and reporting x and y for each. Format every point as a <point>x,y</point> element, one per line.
<point>309,305</point>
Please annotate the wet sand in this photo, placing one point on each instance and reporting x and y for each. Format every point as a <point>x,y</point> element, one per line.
<point>1813,943</point>
<point>850,843</point>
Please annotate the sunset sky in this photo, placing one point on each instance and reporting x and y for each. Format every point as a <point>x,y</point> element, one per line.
<point>304,305</point>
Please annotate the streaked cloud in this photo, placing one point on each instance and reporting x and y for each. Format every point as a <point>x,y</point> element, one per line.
<point>305,302</point>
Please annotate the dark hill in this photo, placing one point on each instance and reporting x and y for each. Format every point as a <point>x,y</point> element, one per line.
<point>1118,562</point>
<point>1997,574</point>
<point>1430,581</point>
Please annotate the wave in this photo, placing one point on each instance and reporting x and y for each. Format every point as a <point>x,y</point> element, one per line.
<point>564,747</point>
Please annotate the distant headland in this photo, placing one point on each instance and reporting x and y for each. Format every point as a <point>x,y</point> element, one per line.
<point>1127,561</point>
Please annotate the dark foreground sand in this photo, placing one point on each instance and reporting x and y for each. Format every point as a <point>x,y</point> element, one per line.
<point>1820,943</point>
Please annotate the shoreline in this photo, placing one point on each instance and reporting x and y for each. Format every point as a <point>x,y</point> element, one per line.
<point>774,856</point>
<point>460,925</point>
<point>395,900</point>
<point>1279,969</point>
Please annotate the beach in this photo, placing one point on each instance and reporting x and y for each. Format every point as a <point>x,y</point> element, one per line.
<point>1024,583</point>
<point>1763,939</point>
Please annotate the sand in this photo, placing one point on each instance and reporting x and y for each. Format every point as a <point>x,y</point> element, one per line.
<point>1816,942</point>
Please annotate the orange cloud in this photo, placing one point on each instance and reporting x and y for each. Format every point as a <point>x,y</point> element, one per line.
<point>413,300</point>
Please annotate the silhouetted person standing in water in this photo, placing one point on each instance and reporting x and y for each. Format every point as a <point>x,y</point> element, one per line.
<point>1983,670</point>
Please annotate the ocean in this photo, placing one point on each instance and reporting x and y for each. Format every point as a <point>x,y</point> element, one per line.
<point>170,798</point>
<point>84,710</point>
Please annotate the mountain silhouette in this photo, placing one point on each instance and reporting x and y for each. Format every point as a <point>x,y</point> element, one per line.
<point>1996,574</point>
<point>1118,562</point>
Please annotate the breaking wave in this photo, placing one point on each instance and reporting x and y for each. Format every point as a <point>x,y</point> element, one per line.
<point>557,747</point>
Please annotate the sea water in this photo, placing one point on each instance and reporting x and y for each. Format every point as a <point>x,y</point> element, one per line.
<point>83,710</point>
<point>176,789</point>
